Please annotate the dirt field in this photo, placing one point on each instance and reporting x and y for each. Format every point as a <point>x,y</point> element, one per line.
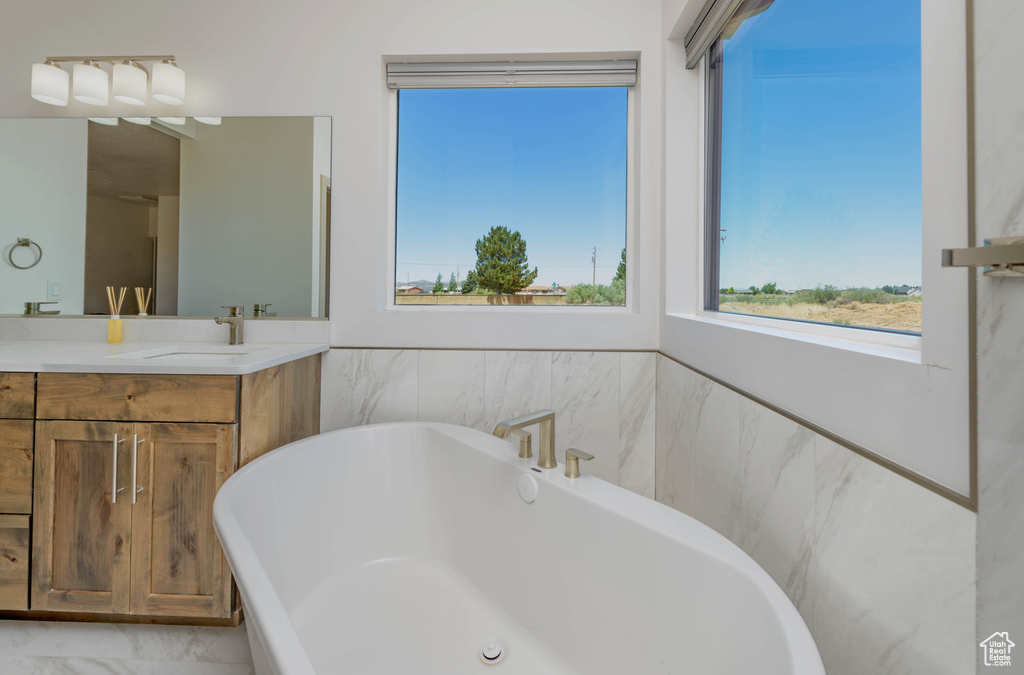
<point>895,316</point>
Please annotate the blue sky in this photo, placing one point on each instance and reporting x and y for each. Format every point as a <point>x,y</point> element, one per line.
<point>550,163</point>
<point>821,159</point>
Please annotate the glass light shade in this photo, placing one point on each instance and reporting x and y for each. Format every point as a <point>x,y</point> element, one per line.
<point>168,83</point>
<point>109,121</point>
<point>145,121</point>
<point>50,83</point>
<point>130,82</point>
<point>91,84</point>
<point>177,121</point>
<point>214,121</point>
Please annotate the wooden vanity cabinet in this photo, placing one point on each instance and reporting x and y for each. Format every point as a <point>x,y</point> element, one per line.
<point>156,554</point>
<point>96,551</point>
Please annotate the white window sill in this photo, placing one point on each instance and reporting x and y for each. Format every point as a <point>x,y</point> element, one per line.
<point>900,347</point>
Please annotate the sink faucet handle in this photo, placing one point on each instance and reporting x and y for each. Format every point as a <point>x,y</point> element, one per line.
<point>525,443</point>
<point>233,310</point>
<point>572,461</point>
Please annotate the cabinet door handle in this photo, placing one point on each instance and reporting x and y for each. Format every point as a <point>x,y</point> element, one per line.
<point>113,480</point>
<point>135,465</point>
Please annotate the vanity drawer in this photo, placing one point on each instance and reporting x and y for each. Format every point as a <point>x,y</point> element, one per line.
<point>138,398</point>
<point>16,466</point>
<point>17,395</point>
<point>14,532</point>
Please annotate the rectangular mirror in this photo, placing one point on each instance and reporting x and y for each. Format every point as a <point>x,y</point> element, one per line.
<point>205,212</point>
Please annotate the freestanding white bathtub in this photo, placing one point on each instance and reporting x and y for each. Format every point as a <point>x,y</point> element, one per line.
<point>403,549</point>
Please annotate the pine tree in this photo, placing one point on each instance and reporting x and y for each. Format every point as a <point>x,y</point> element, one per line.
<point>453,285</point>
<point>469,285</point>
<point>438,285</point>
<point>620,273</point>
<point>501,262</point>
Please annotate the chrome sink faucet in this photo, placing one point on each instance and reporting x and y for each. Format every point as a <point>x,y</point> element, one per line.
<point>234,320</point>
<point>546,420</point>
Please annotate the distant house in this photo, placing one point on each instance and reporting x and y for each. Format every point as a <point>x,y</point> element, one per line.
<point>902,290</point>
<point>553,289</point>
<point>409,290</point>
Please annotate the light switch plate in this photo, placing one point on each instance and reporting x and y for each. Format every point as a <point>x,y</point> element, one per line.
<point>53,290</point>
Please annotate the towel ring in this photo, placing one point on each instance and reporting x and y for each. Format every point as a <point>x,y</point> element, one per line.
<point>25,242</point>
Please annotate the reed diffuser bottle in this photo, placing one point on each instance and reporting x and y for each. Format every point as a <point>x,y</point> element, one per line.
<point>114,322</point>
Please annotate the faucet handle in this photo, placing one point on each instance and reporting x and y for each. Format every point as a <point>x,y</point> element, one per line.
<point>572,461</point>
<point>233,310</point>
<point>525,443</point>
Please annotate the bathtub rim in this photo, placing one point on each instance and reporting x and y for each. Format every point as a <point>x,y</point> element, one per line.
<point>277,630</point>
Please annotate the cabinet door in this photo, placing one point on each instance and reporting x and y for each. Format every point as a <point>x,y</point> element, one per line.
<point>178,568</point>
<point>81,522</point>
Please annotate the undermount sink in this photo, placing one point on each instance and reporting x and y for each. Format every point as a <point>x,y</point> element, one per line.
<point>185,353</point>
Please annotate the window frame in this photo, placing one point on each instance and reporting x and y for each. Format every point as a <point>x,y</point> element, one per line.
<point>711,64</point>
<point>915,390</point>
<point>631,224</point>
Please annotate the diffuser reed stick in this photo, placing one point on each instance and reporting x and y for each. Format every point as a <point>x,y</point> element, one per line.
<point>115,305</point>
<point>142,298</point>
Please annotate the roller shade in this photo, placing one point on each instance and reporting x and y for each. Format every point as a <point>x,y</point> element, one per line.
<point>512,74</point>
<point>718,18</point>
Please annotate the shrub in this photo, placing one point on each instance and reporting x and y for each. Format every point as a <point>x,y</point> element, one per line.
<point>581,294</point>
<point>875,295</point>
<point>586,294</point>
<point>771,288</point>
<point>821,295</point>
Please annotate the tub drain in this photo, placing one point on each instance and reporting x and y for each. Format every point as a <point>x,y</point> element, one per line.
<point>492,653</point>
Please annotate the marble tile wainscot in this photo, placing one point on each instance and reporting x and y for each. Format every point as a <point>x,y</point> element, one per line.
<point>881,569</point>
<point>604,401</point>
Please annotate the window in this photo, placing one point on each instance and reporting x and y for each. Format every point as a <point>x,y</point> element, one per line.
<point>510,195</point>
<point>814,163</point>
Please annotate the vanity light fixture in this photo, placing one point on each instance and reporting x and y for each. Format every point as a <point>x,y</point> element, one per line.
<point>50,83</point>
<point>91,84</point>
<point>130,83</point>
<point>109,121</point>
<point>176,121</point>
<point>212,121</point>
<point>145,121</point>
<point>168,82</point>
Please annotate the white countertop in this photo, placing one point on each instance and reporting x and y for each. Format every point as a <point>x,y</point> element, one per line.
<point>181,358</point>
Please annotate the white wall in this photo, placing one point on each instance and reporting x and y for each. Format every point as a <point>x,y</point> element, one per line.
<point>42,197</point>
<point>245,222</point>
<point>316,58</point>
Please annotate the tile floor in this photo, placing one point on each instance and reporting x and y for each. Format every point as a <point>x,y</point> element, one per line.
<point>65,648</point>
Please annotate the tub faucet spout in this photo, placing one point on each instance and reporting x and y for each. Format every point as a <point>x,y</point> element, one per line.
<point>546,420</point>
